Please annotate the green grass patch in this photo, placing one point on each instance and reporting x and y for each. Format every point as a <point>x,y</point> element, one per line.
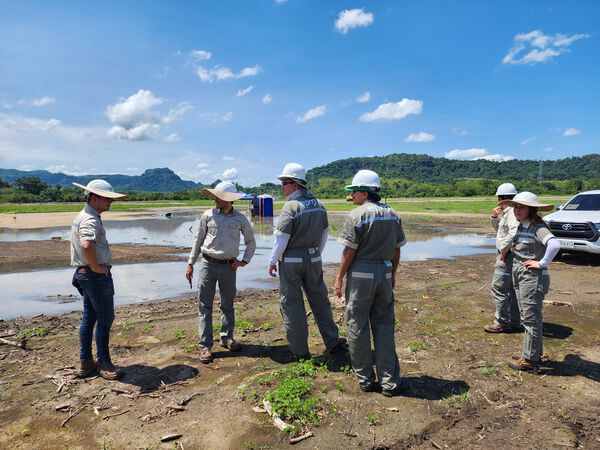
<point>373,418</point>
<point>23,208</point>
<point>243,325</point>
<point>490,369</point>
<point>27,333</point>
<point>415,346</point>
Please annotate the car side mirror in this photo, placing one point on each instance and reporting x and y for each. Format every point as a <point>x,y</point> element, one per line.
<point>559,207</point>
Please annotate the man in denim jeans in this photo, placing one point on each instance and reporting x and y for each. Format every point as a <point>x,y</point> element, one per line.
<point>90,253</point>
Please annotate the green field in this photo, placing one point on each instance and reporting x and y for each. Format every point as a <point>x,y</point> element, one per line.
<point>431,205</point>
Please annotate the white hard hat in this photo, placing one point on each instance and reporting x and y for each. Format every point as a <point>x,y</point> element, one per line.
<point>366,179</point>
<point>225,190</point>
<point>295,171</point>
<point>101,188</point>
<point>527,199</point>
<point>506,189</point>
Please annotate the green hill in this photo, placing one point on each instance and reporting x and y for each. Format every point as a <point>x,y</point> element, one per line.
<point>152,180</point>
<point>424,168</point>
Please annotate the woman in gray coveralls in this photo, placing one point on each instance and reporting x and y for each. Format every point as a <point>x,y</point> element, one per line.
<point>372,236</point>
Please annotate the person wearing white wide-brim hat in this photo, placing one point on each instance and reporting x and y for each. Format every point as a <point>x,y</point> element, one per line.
<point>507,318</point>
<point>300,237</point>
<point>534,247</point>
<point>90,254</point>
<point>218,240</point>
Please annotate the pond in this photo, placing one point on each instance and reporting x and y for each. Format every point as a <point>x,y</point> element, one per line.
<point>50,291</point>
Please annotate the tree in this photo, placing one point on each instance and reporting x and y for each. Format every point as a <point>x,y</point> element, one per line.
<point>31,185</point>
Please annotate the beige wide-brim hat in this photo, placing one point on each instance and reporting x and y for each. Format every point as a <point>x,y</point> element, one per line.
<point>225,191</point>
<point>527,199</point>
<point>101,188</point>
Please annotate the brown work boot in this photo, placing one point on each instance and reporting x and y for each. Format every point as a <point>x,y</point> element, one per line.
<point>231,345</point>
<point>109,371</point>
<point>87,368</point>
<point>525,365</point>
<point>496,328</point>
<point>206,356</point>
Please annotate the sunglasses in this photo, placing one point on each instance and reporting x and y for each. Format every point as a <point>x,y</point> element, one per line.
<point>285,183</point>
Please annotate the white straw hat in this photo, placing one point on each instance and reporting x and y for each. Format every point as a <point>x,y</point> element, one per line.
<point>101,188</point>
<point>527,199</point>
<point>225,191</point>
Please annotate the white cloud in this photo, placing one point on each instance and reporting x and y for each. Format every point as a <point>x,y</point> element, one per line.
<point>135,119</point>
<point>177,112</point>
<point>25,124</point>
<point>420,137</point>
<point>228,158</point>
<point>43,101</point>
<point>66,169</point>
<point>312,113</point>
<point>529,140</point>
<point>200,55</point>
<point>243,92</point>
<point>219,73</point>
<point>266,99</point>
<point>460,131</point>
<point>229,174</point>
<point>364,98</point>
<point>394,111</point>
<point>571,132</point>
<point>352,18</point>
<point>476,153</point>
<point>536,47</point>
<point>173,137</point>
<point>202,166</point>
<point>216,117</point>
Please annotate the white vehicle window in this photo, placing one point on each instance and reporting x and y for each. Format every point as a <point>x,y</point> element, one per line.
<point>584,203</point>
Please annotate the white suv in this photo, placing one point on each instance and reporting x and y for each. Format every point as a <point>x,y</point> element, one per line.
<point>577,223</point>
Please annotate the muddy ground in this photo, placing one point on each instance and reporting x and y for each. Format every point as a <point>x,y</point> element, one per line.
<point>463,395</point>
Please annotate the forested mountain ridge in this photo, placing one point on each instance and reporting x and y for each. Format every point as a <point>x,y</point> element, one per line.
<point>424,168</point>
<point>152,180</point>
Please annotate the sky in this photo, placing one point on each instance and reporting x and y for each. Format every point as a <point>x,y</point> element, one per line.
<point>236,89</point>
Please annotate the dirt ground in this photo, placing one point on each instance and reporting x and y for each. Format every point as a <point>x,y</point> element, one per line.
<point>463,394</point>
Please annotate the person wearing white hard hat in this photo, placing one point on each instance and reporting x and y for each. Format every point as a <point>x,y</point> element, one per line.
<point>300,237</point>
<point>534,247</point>
<point>218,240</point>
<point>372,237</point>
<point>90,254</point>
<point>507,317</point>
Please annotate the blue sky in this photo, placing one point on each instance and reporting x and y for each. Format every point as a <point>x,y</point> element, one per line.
<point>235,89</point>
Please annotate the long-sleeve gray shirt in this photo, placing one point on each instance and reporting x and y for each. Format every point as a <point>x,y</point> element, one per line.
<point>218,236</point>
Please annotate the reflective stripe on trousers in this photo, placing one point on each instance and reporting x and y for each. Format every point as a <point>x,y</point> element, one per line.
<point>503,293</point>
<point>301,269</point>
<point>531,286</point>
<point>370,309</point>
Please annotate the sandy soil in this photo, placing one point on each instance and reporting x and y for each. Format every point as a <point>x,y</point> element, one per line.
<point>462,393</point>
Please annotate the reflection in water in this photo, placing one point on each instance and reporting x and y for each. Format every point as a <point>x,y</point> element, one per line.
<point>29,293</point>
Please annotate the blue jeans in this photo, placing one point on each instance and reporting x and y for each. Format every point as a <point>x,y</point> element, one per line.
<point>98,310</point>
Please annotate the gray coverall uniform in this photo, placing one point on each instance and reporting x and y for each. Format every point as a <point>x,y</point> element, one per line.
<point>304,219</point>
<point>374,231</point>
<point>531,285</point>
<point>218,237</point>
<point>503,293</point>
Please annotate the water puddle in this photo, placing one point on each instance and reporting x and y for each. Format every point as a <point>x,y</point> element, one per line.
<point>50,291</point>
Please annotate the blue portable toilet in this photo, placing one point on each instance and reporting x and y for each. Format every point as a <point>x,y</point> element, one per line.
<point>262,206</point>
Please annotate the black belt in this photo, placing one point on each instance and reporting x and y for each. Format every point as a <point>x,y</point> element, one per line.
<point>85,269</point>
<point>218,261</point>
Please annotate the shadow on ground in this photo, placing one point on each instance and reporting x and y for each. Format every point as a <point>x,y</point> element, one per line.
<point>432,388</point>
<point>556,331</point>
<point>572,365</point>
<point>149,378</point>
